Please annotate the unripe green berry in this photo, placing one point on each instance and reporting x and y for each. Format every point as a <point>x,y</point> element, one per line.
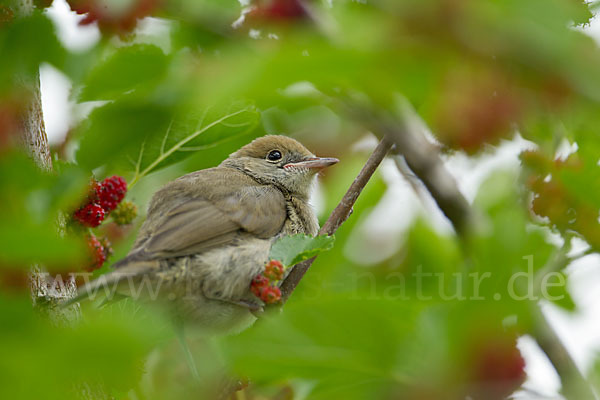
<point>274,270</point>
<point>125,213</point>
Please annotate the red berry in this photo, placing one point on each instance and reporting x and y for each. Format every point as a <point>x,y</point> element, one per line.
<point>258,283</point>
<point>113,18</point>
<point>498,369</point>
<point>274,270</point>
<point>473,110</point>
<point>91,215</point>
<point>270,294</point>
<point>111,191</point>
<point>280,10</point>
<point>98,253</point>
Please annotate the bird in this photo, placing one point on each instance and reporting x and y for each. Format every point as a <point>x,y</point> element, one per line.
<point>207,234</point>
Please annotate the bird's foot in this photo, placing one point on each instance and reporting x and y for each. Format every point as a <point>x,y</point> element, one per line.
<point>249,304</point>
<point>255,308</point>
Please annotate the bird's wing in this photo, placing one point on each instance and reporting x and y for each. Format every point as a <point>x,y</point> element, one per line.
<point>210,213</point>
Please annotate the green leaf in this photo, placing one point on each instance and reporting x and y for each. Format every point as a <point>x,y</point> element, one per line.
<point>291,250</point>
<point>188,133</point>
<point>129,68</point>
<point>116,129</point>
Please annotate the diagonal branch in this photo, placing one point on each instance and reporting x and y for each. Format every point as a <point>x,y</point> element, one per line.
<point>421,156</point>
<point>423,159</point>
<point>340,214</point>
<point>574,384</point>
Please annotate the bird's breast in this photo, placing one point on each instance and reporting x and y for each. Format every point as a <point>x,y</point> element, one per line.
<point>301,218</point>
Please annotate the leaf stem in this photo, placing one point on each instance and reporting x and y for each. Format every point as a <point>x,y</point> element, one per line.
<point>165,154</point>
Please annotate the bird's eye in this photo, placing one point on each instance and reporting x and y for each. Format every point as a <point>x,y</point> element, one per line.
<point>274,155</point>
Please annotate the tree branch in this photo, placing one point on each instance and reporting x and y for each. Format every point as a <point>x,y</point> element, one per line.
<point>574,384</point>
<point>339,215</point>
<point>423,158</point>
<point>33,134</point>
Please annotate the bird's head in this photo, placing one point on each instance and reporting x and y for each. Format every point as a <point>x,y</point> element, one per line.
<point>280,161</point>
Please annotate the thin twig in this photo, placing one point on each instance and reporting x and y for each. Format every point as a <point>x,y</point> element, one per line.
<point>421,156</point>
<point>340,214</point>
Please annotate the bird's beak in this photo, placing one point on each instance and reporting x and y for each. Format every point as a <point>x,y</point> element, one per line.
<point>315,162</point>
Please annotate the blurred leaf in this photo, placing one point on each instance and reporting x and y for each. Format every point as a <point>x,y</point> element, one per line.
<point>594,373</point>
<point>291,250</point>
<point>507,251</point>
<point>350,349</point>
<point>556,289</point>
<point>129,68</point>
<point>40,360</point>
<point>24,243</point>
<point>421,239</point>
<point>30,204</point>
<point>25,43</point>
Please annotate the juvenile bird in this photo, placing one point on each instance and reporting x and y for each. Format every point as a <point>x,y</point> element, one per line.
<point>208,233</point>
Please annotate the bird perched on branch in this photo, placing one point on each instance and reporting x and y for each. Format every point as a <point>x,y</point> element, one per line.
<point>208,233</point>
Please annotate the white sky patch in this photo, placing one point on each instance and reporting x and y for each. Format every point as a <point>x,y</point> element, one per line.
<point>73,36</point>
<point>55,88</point>
<point>381,233</point>
<point>471,172</point>
<point>156,31</point>
<point>387,224</point>
<point>593,29</point>
<point>565,149</point>
<point>541,376</point>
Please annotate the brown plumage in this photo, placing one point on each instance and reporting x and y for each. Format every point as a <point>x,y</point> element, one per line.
<point>208,233</point>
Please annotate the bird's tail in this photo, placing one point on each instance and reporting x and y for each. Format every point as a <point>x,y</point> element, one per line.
<point>121,281</point>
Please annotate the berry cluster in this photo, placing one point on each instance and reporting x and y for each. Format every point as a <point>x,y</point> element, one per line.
<point>264,285</point>
<point>474,111</point>
<point>498,368</point>
<point>104,198</point>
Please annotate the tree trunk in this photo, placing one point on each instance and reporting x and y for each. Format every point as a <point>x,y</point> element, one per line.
<point>46,293</point>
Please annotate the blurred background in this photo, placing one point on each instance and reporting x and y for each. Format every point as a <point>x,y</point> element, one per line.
<point>508,94</point>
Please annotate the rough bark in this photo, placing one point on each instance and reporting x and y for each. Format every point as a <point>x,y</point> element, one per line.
<point>33,135</point>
